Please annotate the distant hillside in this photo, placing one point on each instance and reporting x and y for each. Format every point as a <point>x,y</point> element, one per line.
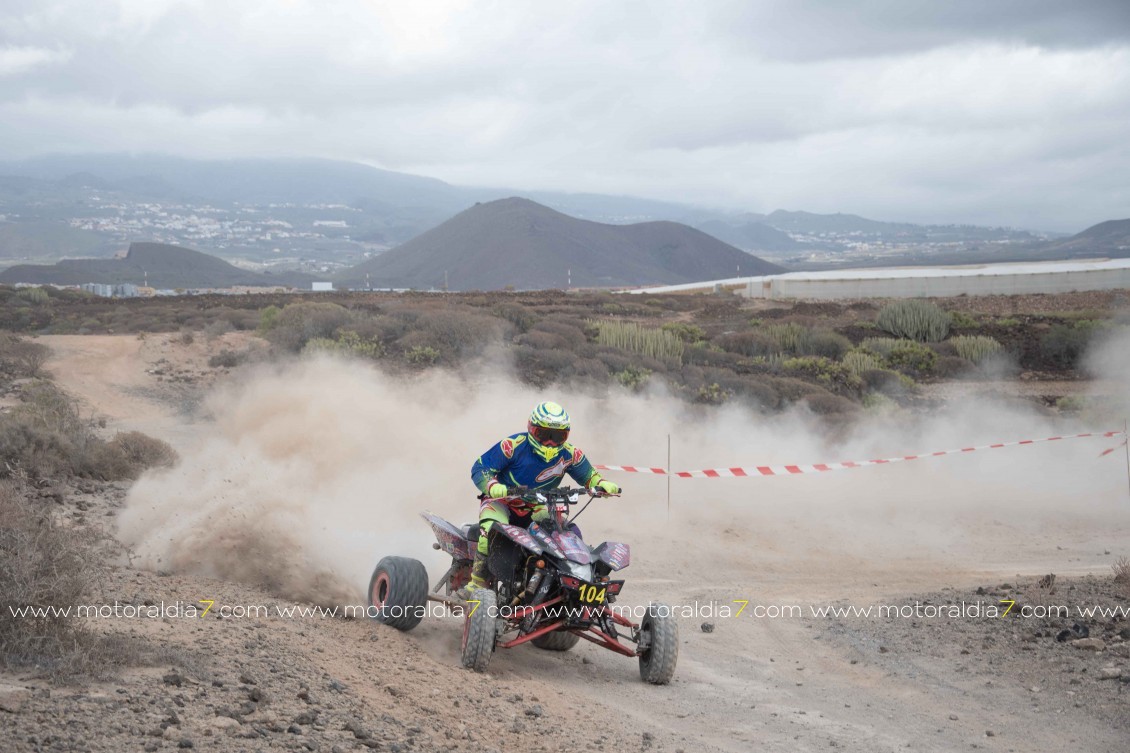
<point>1110,238</point>
<point>751,236</point>
<point>517,242</point>
<point>40,241</point>
<point>162,265</point>
<point>809,223</point>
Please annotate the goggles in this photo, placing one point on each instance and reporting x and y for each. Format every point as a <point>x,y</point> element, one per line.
<point>549,437</point>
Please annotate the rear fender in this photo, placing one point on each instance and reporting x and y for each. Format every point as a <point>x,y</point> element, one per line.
<point>450,538</point>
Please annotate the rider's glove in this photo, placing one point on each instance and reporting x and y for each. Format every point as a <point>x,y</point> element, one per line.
<point>608,487</point>
<point>496,490</point>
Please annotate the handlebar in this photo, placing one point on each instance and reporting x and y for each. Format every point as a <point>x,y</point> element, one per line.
<point>561,495</point>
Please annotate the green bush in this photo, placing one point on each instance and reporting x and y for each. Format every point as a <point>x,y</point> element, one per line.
<point>347,343</point>
<point>914,319</point>
<point>712,394</point>
<point>859,361</point>
<point>975,348</point>
<point>879,345</point>
<point>37,296</point>
<point>822,342</point>
<point>688,333</point>
<point>790,337</point>
<point>268,317</point>
<point>962,320</point>
<point>1064,344</point>
<point>422,355</point>
<point>912,358</point>
<point>647,341</point>
<point>832,375</point>
<point>633,377</point>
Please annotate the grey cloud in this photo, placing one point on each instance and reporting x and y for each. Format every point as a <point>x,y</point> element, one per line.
<point>823,29</point>
<point>1000,112</point>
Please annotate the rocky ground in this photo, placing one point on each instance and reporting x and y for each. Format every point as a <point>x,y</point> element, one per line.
<point>1067,664</point>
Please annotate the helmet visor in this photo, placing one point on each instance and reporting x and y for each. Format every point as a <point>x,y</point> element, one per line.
<point>549,437</point>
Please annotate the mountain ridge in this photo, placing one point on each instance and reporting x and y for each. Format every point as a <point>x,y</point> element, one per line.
<point>520,243</point>
<point>159,265</point>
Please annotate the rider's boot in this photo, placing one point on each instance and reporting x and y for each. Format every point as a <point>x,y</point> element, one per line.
<point>478,577</point>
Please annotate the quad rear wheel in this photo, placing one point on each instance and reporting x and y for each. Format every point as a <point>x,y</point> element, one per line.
<point>480,629</point>
<point>659,637</point>
<point>398,592</point>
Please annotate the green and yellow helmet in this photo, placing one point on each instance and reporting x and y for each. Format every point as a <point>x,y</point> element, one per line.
<point>548,429</point>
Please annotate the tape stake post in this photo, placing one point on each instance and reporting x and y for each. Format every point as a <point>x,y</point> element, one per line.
<point>1126,444</point>
<point>669,476</point>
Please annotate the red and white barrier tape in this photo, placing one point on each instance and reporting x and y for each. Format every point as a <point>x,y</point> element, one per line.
<point>787,470</point>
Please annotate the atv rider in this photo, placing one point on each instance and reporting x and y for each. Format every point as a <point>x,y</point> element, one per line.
<point>537,458</point>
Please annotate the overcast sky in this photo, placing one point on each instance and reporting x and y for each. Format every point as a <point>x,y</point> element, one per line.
<point>985,111</point>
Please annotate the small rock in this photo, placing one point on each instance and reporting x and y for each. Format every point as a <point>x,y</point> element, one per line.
<point>306,717</point>
<point>186,743</point>
<point>883,649</point>
<point>1089,644</point>
<point>224,722</point>
<point>990,733</point>
<point>173,678</point>
<point>535,711</point>
<point>708,627</point>
<point>247,679</point>
<point>258,695</point>
<point>1110,673</point>
<point>953,717</point>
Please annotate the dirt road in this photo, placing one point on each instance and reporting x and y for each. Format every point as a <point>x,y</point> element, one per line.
<point>785,683</point>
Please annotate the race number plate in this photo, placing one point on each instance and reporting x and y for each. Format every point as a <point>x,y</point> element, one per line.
<point>593,595</point>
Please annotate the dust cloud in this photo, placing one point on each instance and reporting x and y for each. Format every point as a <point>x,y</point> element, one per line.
<point>314,469</point>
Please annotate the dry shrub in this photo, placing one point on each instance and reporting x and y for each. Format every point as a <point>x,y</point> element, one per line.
<point>46,566</point>
<point>45,436</point>
<point>1121,568</point>
<point>142,451</point>
<point>54,569</point>
<point>827,404</point>
<point>22,358</point>
<point>517,314</point>
<point>300,322</point>
<point>748,344</point>
<point>37,451</point>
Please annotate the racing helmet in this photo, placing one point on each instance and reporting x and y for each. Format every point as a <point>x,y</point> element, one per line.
<point>548,428</point>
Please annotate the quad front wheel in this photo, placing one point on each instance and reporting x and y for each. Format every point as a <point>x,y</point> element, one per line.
<point>659,641</point>
<point>398,592</point>
<point>480,629</point>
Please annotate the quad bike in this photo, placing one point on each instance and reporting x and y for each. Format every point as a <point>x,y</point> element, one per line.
<point>548,588</point>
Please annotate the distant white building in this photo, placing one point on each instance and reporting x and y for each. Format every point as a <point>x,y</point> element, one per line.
<point>921,282</point>
<point>323,287</point>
